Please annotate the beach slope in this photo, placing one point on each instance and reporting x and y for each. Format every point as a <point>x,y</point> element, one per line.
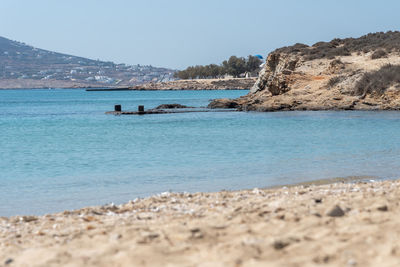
<point>340,224</point>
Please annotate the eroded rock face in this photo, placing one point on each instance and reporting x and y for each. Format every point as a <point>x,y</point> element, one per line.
<point>276,74</point>
<point>336,66</point>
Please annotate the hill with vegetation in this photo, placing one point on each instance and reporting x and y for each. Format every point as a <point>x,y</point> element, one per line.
<point>234,66</point>
<point>236,73</point>
<point>24,66</point>
<point>353,73</point>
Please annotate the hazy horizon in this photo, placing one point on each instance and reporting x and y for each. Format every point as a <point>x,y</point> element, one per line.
<point>177,34</point>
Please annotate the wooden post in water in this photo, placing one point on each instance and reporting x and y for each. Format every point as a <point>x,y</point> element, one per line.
<point>117,108</point>
<point>141,109</point>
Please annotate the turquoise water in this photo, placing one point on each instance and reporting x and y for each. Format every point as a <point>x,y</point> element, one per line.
<point>60,151</point>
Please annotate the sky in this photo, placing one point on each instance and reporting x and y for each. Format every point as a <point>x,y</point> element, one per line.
<point>180,33</point>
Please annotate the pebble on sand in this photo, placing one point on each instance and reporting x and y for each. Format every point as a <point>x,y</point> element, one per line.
<point>336,212</point>
<point>383,208</point>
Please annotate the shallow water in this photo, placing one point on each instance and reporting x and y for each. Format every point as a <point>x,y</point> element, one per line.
<point>60,151</point>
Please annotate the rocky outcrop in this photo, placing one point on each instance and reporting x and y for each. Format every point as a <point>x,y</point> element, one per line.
<point>276,76</point>
<point>200,84</point>
<point>224,103</point>
<point>293,80</point>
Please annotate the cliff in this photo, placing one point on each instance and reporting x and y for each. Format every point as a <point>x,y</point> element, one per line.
<point>200,84</point>
<point>344,74</point>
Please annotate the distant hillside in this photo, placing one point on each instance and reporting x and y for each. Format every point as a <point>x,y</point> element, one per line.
<point>23,66</point>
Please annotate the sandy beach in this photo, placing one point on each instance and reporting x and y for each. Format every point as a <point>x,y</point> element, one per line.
<point>339,224</point>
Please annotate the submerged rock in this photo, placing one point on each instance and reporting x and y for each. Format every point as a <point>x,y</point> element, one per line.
<point>171,106</point>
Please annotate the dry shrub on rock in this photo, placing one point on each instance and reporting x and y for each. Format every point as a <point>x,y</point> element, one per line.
<point>378,54</point>
<point>377,82</point>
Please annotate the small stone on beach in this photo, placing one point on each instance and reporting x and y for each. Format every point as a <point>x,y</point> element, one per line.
<point>196,233</point>
<point>280,244</point>
<point>336,212</point>
<point>318,200</point>
<point>115,237</point>
<point>383,208</point>
<point>28,218</point>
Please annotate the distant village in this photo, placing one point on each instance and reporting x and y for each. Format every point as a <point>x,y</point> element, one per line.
<point>22,62</point>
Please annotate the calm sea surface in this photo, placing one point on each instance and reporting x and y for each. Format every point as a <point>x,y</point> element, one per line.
<point>60,151</point>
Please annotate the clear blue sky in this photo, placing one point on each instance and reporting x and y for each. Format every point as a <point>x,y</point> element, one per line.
<point>179,33</point>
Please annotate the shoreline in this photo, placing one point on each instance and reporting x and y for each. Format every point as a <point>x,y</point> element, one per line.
<point>333,224</point>
<point>317,182</point>
<point>177,85</point>
<point>118,89</point>
<point>200,84</point>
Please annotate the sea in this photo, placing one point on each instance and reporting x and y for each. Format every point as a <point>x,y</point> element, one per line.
<point>60,151</point>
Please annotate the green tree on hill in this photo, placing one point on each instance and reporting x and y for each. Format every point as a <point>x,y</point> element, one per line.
<point>233,66</point>
<point>252,63</point>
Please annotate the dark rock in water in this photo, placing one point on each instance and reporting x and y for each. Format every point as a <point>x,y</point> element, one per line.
<point>171,106</point>
<point>336,212</point>
<point>223,103</point>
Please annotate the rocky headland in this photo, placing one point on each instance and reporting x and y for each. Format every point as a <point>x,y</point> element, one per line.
<point>200,84</point>
<point>343,74</point>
